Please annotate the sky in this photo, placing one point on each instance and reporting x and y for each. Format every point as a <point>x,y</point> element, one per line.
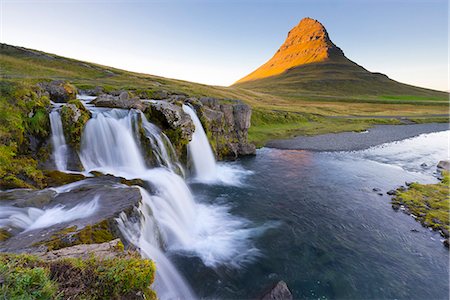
<point>218,42</point>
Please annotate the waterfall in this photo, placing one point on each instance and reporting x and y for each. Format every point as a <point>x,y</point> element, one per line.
<point>199,150</point>
<point>110,146</point>
<point>162,148</point>
<point>172,220</point>
<point>169,284</point>
<point>58,141</point>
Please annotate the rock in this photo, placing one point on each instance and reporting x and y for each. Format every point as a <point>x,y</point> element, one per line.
<point>446,243</point>
<point>437,221</point>
<point>174,122</point>
<point>395,206</point>
<point>414,230</point>
<point>73,117</point>
<point>380,194</point>
<point>123,96</point>
<point>121,101</point>
<point>392,192</point>
<point>376,189</point>
<point>105,250</point>
<point>279,292</point>
<point>408,183</point>
<point>227,123</point>
<point>444,165</point>
<point>444,232</point>
<point>59,91</point>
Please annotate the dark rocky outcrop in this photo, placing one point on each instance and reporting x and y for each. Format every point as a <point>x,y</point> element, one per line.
<point>226,123</point>
<point>59,91</point>
<point>279,292</point>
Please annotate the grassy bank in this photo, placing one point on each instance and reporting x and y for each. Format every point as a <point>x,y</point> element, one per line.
<point>28,277</point>
<point>429,203</point>
<point>268,125</point>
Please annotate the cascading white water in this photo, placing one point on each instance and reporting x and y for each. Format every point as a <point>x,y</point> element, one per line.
<point>58,141</point>
<point>109,145</point>
<point>33,218</point>
<point>199,150</point>
<point>201,156</point>
<point>173,221</point>
<point>169,284</point>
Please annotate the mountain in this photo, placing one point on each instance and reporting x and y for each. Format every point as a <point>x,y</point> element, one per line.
<point>309,63</point>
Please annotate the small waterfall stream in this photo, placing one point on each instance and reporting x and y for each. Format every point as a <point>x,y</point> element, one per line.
<point>199,150</point>
<point>58,141</point>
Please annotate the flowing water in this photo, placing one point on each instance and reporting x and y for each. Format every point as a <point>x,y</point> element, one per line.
<point>201,156</point>
<point>33,218</point>
<point>58,141</point>
<point>199,150</point>
<point>335,238</point>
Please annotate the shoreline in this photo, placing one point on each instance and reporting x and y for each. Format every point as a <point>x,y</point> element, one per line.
<point>353,141</point>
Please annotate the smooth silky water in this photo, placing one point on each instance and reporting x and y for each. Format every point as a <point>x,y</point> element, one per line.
<point>334,237</point>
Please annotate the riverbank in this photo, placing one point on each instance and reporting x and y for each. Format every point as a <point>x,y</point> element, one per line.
<point>351,141</point>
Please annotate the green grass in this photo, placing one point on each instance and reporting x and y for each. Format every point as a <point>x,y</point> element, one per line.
<point>430,203</point>
<point>340,78</point>
<point>268,125</point>
<point>27,277</point>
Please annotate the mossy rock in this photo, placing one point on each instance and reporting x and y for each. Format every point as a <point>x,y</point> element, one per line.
<point>4,234</point>
<point>57,178</point>
<point>74,117</point>
<point>60,91</point>
<point>430,203</point>
<point>71,236</point>
<point>24,127</point>
<point>175,124</point>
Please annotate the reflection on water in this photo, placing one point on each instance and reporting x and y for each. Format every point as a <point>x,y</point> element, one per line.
<point>335,237</point>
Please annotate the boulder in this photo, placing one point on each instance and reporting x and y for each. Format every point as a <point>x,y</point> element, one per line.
<point>279,292</point>
<point>121,101</point>
<point>59,91</point>
<point>444,165</point>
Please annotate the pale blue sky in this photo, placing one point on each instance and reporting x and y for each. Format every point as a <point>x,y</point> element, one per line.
<point>218,42</point>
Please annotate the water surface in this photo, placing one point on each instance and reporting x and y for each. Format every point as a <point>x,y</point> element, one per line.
<point>327,234</point>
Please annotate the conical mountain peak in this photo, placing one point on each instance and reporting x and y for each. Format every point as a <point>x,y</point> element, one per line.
<point>308,42</point>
